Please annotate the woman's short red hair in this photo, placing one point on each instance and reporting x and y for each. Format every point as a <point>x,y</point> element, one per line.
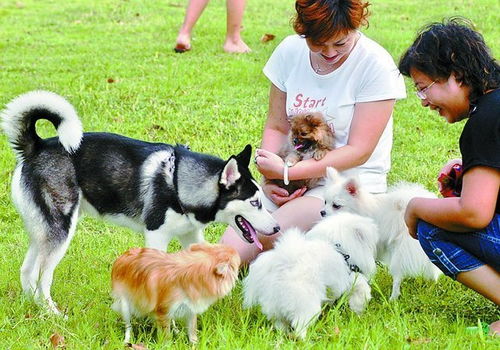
<point>321,20</point>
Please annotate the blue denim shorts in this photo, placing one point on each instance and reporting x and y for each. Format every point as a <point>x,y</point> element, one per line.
<point>454,252</point>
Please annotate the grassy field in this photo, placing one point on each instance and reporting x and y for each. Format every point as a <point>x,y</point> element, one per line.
<point>113,60</point>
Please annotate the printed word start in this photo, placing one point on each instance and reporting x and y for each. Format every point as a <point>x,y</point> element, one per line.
<point>308,102</point>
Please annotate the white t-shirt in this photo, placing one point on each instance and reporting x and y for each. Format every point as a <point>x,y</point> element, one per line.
<point>368,74</point>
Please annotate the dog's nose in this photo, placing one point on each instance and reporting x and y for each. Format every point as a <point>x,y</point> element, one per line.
<point>322,213</point>
<point>276,229</point>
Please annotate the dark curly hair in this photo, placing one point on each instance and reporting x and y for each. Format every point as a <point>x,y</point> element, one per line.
<point>453,46</point>
<point>322,20</point>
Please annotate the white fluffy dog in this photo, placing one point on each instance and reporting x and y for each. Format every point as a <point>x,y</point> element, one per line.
<point>290,282</point>
<point>354,236</point>
<point>396,248</point>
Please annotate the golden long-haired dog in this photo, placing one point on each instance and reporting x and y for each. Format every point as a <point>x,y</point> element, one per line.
<point>309,137</point>
<point>170,286</point>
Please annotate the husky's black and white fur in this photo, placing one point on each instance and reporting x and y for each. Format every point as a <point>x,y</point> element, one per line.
<point>162,190</point>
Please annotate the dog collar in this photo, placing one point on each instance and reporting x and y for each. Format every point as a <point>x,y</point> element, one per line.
<point>352,267</point>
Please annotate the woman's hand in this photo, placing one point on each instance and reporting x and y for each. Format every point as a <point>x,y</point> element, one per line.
<point>447,167</point>
<point>450,179</point>
<point>411,219</point>
<point>279,195</point>
<point>269,164</point>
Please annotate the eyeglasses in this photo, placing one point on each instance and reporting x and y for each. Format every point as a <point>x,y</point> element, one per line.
<point>421,94</point>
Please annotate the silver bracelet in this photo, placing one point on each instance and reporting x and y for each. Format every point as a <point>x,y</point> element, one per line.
<point>285,174</point>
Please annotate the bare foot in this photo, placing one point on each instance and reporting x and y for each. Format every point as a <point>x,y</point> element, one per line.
<point>236,46</point>
<point>495,328</point>
<point>183,43</point>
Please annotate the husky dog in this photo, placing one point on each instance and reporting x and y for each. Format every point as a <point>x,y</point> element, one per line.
<point>396,248</point>
<point>291,281</point>
<point>162,190</point>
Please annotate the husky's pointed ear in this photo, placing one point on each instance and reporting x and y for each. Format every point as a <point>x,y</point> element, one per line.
<point>230,174</point>
<point>244,157</point>
<point>222,268</point>
<point>352,187</point>
<point>332,174</point>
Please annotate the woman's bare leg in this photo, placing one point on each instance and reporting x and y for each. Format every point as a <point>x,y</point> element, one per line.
<point>484,280</point>
<point>193,13</point>
<point>234,43</point>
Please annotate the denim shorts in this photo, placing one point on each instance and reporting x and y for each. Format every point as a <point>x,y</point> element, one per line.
<point>455,252</point>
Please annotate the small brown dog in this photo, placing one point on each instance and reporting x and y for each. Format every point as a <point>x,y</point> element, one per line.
<point>309,137</point>
<point>170,286</point>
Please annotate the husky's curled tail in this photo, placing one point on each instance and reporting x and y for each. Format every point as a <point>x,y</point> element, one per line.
<point>21,114</point>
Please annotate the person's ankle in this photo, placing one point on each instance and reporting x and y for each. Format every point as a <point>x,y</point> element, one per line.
<point>234,44</point>
<point>495,328</point>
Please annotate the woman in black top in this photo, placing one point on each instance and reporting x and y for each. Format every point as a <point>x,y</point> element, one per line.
<point>455,75</point>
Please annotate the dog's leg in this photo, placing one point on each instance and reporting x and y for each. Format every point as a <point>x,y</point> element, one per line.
<point>193,337</point>
<point>280,325</point>
<point>396,287</point>
<point>47,267</point>
<point>360,294</point>
<point>122,306</point>
<point>157,239</point>
<point>164,323</point>
<point>303,318</point>
<point>300,327</point>
<point>31,269</point>
<point>191,237</point>
<point>127,317</point>
<point>50,256</point>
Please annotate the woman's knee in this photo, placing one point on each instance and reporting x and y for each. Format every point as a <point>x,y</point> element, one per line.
<point>247,251</point>
<point>302,212</point>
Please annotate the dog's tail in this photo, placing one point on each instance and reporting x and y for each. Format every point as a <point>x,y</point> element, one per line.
<point>21,114</point>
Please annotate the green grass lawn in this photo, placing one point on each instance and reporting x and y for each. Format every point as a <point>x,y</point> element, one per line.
<point>113,60</point>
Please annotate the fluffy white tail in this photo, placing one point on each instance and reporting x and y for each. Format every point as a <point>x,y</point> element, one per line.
<point>21,114</point>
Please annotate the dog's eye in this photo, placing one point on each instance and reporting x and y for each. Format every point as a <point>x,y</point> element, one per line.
<point>256,203</point>
<point>336,206</point>
<point>303,134</point>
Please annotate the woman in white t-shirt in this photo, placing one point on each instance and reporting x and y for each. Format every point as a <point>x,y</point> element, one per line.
<point>333,68</point>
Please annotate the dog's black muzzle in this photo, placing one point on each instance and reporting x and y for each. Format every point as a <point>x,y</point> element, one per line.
<point>304,144</point>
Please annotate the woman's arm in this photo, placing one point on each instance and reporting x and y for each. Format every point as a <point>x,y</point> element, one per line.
<point>368,124</point>
<point>274,135</point>
<point>276,127</point>
<point>472,211</point>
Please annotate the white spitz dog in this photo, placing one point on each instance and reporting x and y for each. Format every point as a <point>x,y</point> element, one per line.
<point>396,248</point>
<point>352,235</point>
<point>290,281</point>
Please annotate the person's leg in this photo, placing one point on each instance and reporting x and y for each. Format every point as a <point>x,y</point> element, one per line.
<point>193,12</point>
<point>484,280</point>
<point>495,328</point>
<point>451,253</point>
<point>302,212</point>
<point>234,43</point>
<point>454,252</point>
